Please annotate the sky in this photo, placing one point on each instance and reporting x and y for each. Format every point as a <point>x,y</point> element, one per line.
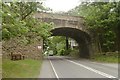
<point>61,5</point>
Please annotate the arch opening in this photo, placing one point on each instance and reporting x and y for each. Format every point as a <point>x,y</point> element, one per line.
<point>82,38</point>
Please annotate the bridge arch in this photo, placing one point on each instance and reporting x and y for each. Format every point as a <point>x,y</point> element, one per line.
<point>82,38</point>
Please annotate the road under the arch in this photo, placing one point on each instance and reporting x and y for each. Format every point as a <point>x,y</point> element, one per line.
<point>82,38</point>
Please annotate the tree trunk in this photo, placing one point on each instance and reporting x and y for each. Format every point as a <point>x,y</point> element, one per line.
<point>99,45</point>
<point>67,44</point>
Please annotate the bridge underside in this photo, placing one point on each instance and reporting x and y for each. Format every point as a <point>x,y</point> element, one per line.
<point>82,38</point>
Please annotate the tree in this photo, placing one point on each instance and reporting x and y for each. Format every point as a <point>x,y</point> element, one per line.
<point>102,19</point>
<point>57,44</point>
<point>20,28</point>
<point>18,20</point>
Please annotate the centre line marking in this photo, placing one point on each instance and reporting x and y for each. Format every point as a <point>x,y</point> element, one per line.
<point>94,70</point>
<point>54,70</point>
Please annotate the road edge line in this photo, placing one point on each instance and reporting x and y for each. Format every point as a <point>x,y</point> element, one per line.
<point>93,70</point>
<point>54,70</point>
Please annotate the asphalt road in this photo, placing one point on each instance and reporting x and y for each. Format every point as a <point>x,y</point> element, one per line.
<point>65,67</point>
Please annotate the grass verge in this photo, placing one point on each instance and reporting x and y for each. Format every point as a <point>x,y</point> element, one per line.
<point>106,58</point>
<point>21,69</point>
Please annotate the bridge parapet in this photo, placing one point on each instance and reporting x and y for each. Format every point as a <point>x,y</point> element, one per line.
<point>62,20</point>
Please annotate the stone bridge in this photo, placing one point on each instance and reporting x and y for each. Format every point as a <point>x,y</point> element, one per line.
<point>62,20</point>
<point>69,26</point>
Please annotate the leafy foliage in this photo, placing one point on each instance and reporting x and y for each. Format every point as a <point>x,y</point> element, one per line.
<point>102,19</point>
<point>18,21</point>
<point>57,44</point>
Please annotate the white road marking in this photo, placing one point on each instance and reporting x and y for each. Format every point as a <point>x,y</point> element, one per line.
<point>54,70</point>
<point>94,70</point>
<point>114,66</point>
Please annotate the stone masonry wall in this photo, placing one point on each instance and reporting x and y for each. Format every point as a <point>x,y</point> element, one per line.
<point>30,51</point>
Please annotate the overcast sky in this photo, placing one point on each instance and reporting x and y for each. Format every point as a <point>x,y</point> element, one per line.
<point>61,5</point>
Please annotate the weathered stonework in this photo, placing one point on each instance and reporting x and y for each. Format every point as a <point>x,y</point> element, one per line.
<point>30,51</point>
<point>62,20</point>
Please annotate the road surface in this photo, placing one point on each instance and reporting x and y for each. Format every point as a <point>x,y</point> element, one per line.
<point>61,67</point>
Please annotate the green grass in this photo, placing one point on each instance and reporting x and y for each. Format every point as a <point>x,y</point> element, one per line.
<point>106,58</point>
<point>21,69</point>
